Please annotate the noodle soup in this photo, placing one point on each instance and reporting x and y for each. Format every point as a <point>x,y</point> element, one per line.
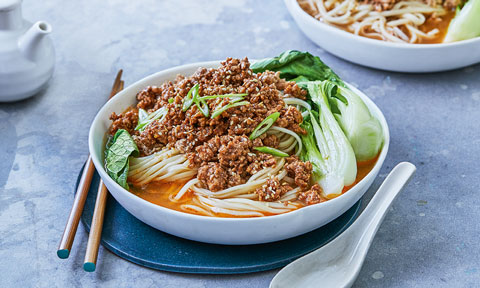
<point>242,141</point>
<point>412,21</point>
<point>161,193</point>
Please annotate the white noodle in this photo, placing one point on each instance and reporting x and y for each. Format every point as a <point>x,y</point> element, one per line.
<point>296,101</point>
<point>299,141</point>
<point>399,24</point>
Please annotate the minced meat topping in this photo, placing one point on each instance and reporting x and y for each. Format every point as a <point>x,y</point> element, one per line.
<point>220,147</point>
<point>272,190</point>
<point>312,196</point>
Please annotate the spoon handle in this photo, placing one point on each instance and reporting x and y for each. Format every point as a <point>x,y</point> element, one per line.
<point>369,221</point>
<point>377,208</point>
<point>338,263</point>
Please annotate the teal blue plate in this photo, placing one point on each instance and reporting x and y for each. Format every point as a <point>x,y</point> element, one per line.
<point>131,239</point>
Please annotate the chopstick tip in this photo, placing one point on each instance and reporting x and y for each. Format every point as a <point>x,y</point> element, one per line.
<point>89,266</point>
<point>63,253</point>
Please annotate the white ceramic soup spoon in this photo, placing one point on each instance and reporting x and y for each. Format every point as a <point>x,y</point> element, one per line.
<point>338,263</point>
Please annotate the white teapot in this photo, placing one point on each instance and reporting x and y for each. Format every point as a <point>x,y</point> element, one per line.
<point>27,56</point>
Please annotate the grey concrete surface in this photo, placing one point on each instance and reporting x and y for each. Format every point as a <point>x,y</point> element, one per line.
<point>429,238</point>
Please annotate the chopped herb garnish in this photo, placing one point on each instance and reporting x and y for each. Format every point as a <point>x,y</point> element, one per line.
<point>225,96</point>
<point>194,97</point>
<point>228,106</point>
<point>144,121</point>
<point>190,98</point>
<point>142,115</point>
<point>170,100</point>
<point>271,151</point>
<point>203,107</point>
<point>264,125</point>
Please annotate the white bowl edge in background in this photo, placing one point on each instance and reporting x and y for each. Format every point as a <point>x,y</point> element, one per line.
<point>398,57</point>
<point>234,231</point>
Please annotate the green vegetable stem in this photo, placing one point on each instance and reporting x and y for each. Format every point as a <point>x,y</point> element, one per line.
<point>466,23</point>
<point>270,150</point>
<point>363,130</point>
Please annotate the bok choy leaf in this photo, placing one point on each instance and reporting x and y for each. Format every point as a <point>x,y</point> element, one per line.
<point>118,150</point>
<point>363,131</point>
<point>465,24</point>
<point>326,146</point>
<point>293,64</point>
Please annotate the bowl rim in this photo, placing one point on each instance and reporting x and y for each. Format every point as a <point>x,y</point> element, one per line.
<point>374,109</point>
<point>293,5</point>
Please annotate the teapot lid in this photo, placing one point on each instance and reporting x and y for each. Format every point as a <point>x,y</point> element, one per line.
<point>7,5</point>
<point>10,15</point>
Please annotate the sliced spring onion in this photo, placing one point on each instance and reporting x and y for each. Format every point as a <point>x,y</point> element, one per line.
<point>202,106</point>
<point>228,106</point>
<point>270,150</point>
<point>264,125</point>
<point>142,115</point>
<point>190,98</point>
<point>145,121</point>
<point>193,97</point>
<point>234,97</point>
<point>224,96</point>
<point>170,100</point>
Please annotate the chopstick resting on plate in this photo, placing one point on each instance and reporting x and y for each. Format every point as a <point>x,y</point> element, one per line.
<point>96,227</point>
<point>65,246</point>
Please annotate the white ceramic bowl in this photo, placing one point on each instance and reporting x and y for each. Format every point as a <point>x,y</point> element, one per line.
<point>213,229</point>
<point>400,57</point>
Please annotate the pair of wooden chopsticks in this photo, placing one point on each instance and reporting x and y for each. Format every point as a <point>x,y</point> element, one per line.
<point>79,201</point>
